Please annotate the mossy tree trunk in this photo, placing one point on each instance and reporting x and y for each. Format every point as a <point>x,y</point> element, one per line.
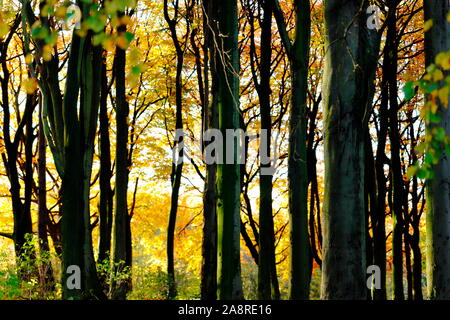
<point>226,61</point>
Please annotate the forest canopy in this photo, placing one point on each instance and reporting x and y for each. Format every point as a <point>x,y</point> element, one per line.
<point>224,150</point>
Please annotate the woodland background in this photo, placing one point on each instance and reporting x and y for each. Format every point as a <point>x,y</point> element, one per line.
<point>88,118</point>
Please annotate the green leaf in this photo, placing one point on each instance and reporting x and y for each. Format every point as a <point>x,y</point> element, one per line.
<point>433,118</point>
<point>411,172</point>
<point>409,90</point>
<point>430,87</point>
<point>52,38</point>
<point>431,68</point>
<point>420,148</point>
<point>129,36</point>
<point>439,134</point>
<point>94,24</point>
<point>136,71</point>
<point>39,32</point>
<point>421,173</point>
<point>447,150</point>
<point>98,38</point>
<point>429,158</point>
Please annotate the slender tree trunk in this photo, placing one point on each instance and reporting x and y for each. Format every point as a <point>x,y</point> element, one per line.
<point>121,219</point>
<point>298,54</point>
<point>408,266</point>
<point>90,87</point>
<point>105,206</point>
<point>72,222</point>
<point>210,120</point>
<point>300,270</point>
<point>267,273</point>
<point>176,181</point>
<point>314,206</point>
<point>437,40</point>
<point>396,168</point>
<point>371,39</point>
<point>28,181</point>
<point>417,265</point>
<point>177,166</point>
<point>21,210</point>
<point>46,278</point>
<point>370,198</point>
<point>415,220</point>
<point>380,161</point>
<point>209,240</point>
<point>226,62</point>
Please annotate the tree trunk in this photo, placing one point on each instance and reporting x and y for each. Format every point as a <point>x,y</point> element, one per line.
<point>380,161</point>
<point>209,239</point>
<point>105,205</point>
<point>70,122</point>
<point>437,40</point>
<point>300,270</point>
<point>417,265</point>
<point>370,198</point>
<point>77,155</point>
<point>21,210</point>
<point>314,207</point>
<point>121,219</point>
<point>177,166</point>
<point>408,265</point>
<point>415,221</point>
<point>298,54</point>
<point>72,222</point>
<point>46,278</point>
<point>344,262</point>
<point>267,273</point>
<point>228,174</point>
<point>396,169</point>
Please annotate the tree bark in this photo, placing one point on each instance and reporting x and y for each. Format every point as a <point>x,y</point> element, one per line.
<point>210,121</point>
<point>226,62</point>
<point>344,261</point>
<point>121,218</point>
<point>177,166</point>
<point>298,54</point>
<point>396,170</point>
<point>437,40</point>
<point>267,272</point>
<point>105,205</point>
<point>46,278</point>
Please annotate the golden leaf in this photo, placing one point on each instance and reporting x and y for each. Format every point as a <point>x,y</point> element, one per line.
<point>428,24</point>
